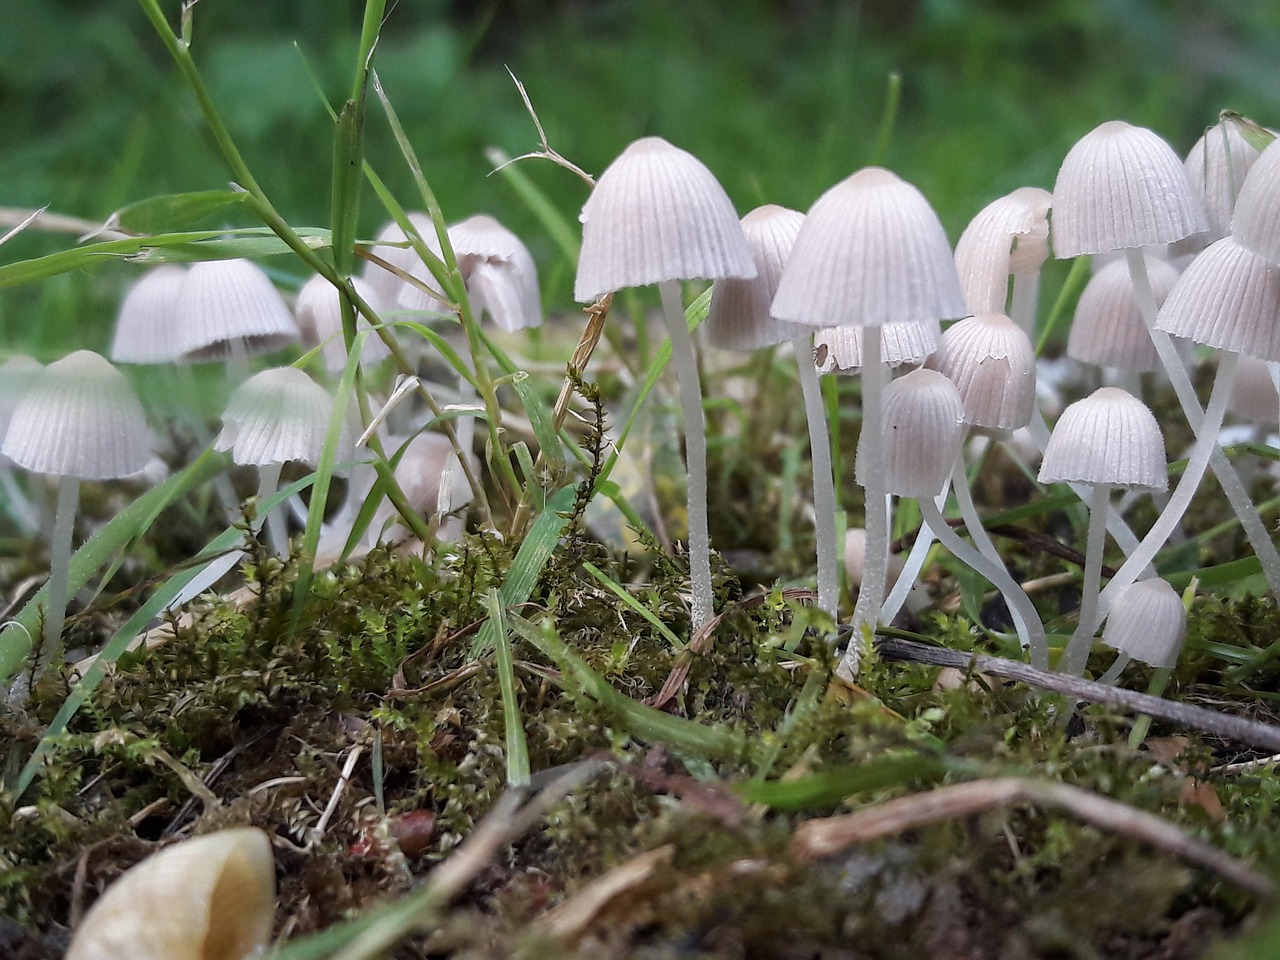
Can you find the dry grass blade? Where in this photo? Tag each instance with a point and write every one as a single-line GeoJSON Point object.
{"type": "Point", "coordinates": [571, 919]}
{"type": "Point", "coordinates": [816, 839]}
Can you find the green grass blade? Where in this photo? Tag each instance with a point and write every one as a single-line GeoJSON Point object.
{"type": "Point", "coordinates": [632, 603]}
{"type": "Point", "coordinates": [832, 786]}
{"type": "Point", "coordinates": [562, 232]}
{"type": "Point", "coordinates": [1077, 277]}
{"type": "Point", "coordinates": [175, 211]}
{"type": "Point", "coordinates": [541, 420]}
{"type": "Point", "coordinates": [518, 774]}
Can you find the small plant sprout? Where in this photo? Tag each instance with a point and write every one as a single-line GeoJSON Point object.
{"type": "Point", "coordinates": [1147, 623]}
{"type": "Point", "coordinates": [871, 254]}
{"type": "Point", "coordinates": [211, 897]}
{"type": "Point", "coordinates": [1109, 439]}
{"type": "Point", "coordinates": [1122, 188]}
{"type": "Point", "coordinates": [318, 313]}
{"type": "Point", "coordinates": [657, 215]}
{"type": "Point", "coordinates": [274, 417]}
{"type": "Point", "coordinates": [229, 310]}
{"type": "Point", "coordinates": [739, 319]}
{"type": "Point", "coordinates": [1008, 238]}
{"type": "Point", "coordinates": [924, 431]}
{"type": "Point", "coordinates": [79, 419]}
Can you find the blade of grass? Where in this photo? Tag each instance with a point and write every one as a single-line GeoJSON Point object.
{"type": "Point", "coordinates": [553, 221]}
{"type": "Point", "coordinates": [165, 214]}
{"type": "Point", "coordinates": [1071, 287]}
{"type": "Point", "coordinates": [620, 592]}
{"type": "Point", "coordinates": [518, 774]}
{"type": "Point", "coordinates": [832, 786]}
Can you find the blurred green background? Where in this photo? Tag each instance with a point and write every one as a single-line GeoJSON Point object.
{"type": "Point", "coordinates": [780, 99]}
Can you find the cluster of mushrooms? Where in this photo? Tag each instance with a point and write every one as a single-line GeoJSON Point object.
{"type": "Point", "coordinates": [858, 285]}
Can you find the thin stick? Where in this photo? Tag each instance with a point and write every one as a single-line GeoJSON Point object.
{"type": "Point", "coordinates": [1262, 735]}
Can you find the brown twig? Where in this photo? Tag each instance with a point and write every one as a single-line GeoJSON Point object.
{"type": "Point", "coordinates": [1239, 729]}
{"type": "Point", "coordinates": [825, 837]}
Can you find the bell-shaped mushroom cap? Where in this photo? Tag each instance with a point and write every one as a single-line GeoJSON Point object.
{"type": "Point", "coordinates": [923, 432]}
{"type": "Point", "coordinates": [1009, 235]}
{"type": "Point", "coordinates": [79, 417]}
{"type": "Point", "coordinates": [432, 481]}
{"type": "Point", "coordinates": [1108, 437]}
{"type": "Point", "coordinates": [386, 285]}
{"type": "Point", "coordinates": [839, 349]}
{"type": "Point", "coordinates": [229, 305]}
{"type": "Point", "coordinates": [1256, 221]}
{"type": "Point", "coordinates": [16, 374]}
{"type": "Point", "coordinates": [499, 272]}
{"type": "Point", "coordinates": [1122, 186]}
{"type": "Point", "coordinates": [1216, 168]}
{"type": "Point", "coordinates": [855, 559]}
{"type": "Point", "coordinates": [147, 324]}
{"type": "Point", "coordinates": [991, 361]}
{"type": "Point", "coordinates": [276, 416]}
{"type": "Point", "coordinates": [1108, 330]}
{"type": "Point", "coordinates": [1228, 298]}
{"type": "Point", "coordinates": [1148, 621]}
{"type": "Point", "coordinates": [319, 317]}
{"type": "Point", "coordinates": [657, 214]}
{"type": "Point", "coordinates": [871, 252]}
{"type": "Point", "coordinates": [738, 318]}
{"type": "Point", "coordinates": [212, 896]}
{"type": "Point", "coordinates": [1253, 393]}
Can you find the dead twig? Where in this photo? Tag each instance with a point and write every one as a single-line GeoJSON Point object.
{"type": "Point", "coordinates": [568, 921]}
{"type": "Point", "coordinates": [1225, 725]}
{"type": "Point", "coordinates": [816, 839]}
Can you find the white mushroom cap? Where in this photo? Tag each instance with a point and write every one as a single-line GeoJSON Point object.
{"type": "Point", "coordinates": [1108, 330]}
{"type": "Point", "coordinates": [991, 361]}
{"type": "Point", "coordinates": [225, 302]}
{"type": "Point", "coordinates": [79, 417]}
{"type": "Point", "coordinates": [205, 897]}
{"type": "Point", "coordinates": [839, 349]}
{"type": "Point", "coordinates": [386, 285]}
{"type": "Point", "coordinates": [657, 214]}
{"type": "Point", "coordinates": [276, 416]}
{"type": "Point", "coordinates": [739, 318]}
{"type": "Point", "coordinates": [1256, 221]}
{"type": "Point", "coordinates": [871, 252]}
{"type": "Point", "coordinates": [1253, 393]}
{"type": "Point", "coordinates": [1108, 437]}
{"type": "Point", "coordinates": [428, 467]}
{"type": "Point", "coordinates": [1122, 186]}
{"type": "Point", "coordinates": [319, 317]}
{"type": "Point", "coordinates": [1148, 621]}
{"type": "Point", "coordinates": [1009, 235]}
{"type": "Point", "coordinates": [147, 324]}
{"type": "Point", "coordinates": [1228, 298]}
{"type": "Point", "coordinates": [1216, 167]}
{"type": "Point", "coordinates": [16, 374]}
{"type": "Point", "coordinates": [923, 432]}
{"type": "Point", "coordinates": [499, 272]}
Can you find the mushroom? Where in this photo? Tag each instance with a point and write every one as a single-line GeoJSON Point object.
{"type": "Point", "coordinates": [1008, 237]}
{"type": "Point", "coordinates": [1148, 623]}
{"type": "Point", "coordinates": [658, 215]}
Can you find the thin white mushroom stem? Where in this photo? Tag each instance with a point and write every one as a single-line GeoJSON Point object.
{"type": "Point", "coordinates": [1228, 479]}
{"type": "Point", "coordinates": [1206, 443]}
{"type": "Point", "coordinates": [1077, 652]}
{"type": "Point", "coordinates": [1117, 668]}
{"type": "Point", "coordinates": [874, 484]}
{"type": "Point", "coordinates": [277, 531]}
{"type": "Point", "coordinates": [966, 553]}
{"type": "Point", "coordinates": [695, 439]}
{"type": "Point", "coordinates": [910, 571]}
{"type": "Point", "coordinates": [824, 485]}
{"type": "Point", "coordinates": [1026, 621]}
{"type": "Point", "coordinates": [1026, 293]}
{"type": "Point", "coordinates": [55, 608]}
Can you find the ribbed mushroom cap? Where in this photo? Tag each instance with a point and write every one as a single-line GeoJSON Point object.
{"type": "Point", "coordinates": [1009, 235]}
{"type": "Point", "coordinates": [871, 252]}
{"type": "Point", "coordinates": [499, 271]}
{"type": "Point", "coordinates": [855, 559]}
{"type": "Point", "coordinates": [1108, 330]}
{"type": "Point", "coordinates": [276, 416]}
{"type": "Point", "coordinates": [1228, 298]}
{"type": "Point", "coordinates": [386, 285]}
{"type": "Point", "coordinates": [991, 361]}
{"type": "Point", "coordinates": [1216, 168]}
{"type": "Point", "coordinates": [211, 897]}
{"type": "Point", "coordinates": [318, 313]}
{"type": "Point", "coordinates": [147, 324]}
{"type": "Point", "coordinates": [1148, 621]}
{"type": "Point", "coordinates": [1108, 437]}
{"type": "Point", "coordinates": [1256, 221]}
{"type": "Point", "coordinates": [923, 431]}
{"type": "Point", "coordinates": [657, 214]}
{"type": "Point", "coordinates": [224, 302]}
{"type": "Point", "coordinates": [739, 318]}
{"type": "Point", "coordinates": [79, 417]}
{"type": "Point", "coordinates": [1253, 393]}
{"type": "Point", "coordinates": [1122, 186]}
{"type": "Point", "coordinates": [16, 374]}
{"type": "Point", "coordinates": [839, 349]}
